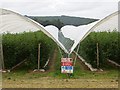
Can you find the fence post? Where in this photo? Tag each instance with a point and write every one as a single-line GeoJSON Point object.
{"type": "Point", "coordinates": [38, 56]}
{"type": "Point", "coordinates": [2, 66]}
{"type": "Point", "coordinates": [97, 56]}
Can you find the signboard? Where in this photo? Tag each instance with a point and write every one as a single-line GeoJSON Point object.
{"type": "Point", "coordinates": [66, 65]}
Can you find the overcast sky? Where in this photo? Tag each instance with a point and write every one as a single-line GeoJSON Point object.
{"type": "Point", "coordinates": [81, 8]}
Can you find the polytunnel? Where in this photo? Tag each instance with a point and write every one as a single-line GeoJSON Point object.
{"type": "Point", "coordinates": [78, 34]}
{"type": "Point", "coordinates": [108, 24]}
{"type": "Point", "coordinates": [15, 23]}
{"type": "Point", "coordinates": [68, 37]}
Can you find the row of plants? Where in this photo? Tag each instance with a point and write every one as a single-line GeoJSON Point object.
{"type": "Point", "coordinates": [108, 47]}
{"type": "Point", "coordinates": [17, 47]}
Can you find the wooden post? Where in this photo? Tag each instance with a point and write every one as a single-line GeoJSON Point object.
{"type": "Point", "coordinates": [1, 53]}
{"type": "Point", "coordinates": [18, 64]}
{"type": "Point", "coordinates": [97, 56]}
{"type": "Point", "coordinates": [38, 56]}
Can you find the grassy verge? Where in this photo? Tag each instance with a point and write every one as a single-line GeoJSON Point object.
{"type": "Point", "coordinates": [78, 72]}
{"type": "Point", "coordinates": [81, 79]}
{"type": "Point", "coordinates": [55, 79]}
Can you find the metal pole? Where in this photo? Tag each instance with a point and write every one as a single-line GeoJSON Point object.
{"type": "Point", "coordinates": [68, 55]}
{"type": "Point", "coordinates": [76, 54]}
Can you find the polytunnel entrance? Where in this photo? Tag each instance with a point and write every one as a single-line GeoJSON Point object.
{"type": "Point", "coordinates": [72, 38]}
{"type": "Point", "coordinates": [77, 52]}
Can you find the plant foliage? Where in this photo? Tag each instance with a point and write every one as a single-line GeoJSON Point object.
{"type": "Point", "coordinates": [17, 47]}
{"type": "Point", "coordinates": [108, 45]}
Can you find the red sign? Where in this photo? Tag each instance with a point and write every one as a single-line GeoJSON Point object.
{"type": "Point", "coordinates": [66, 65]}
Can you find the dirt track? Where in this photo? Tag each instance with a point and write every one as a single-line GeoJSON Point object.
{"type": "Point", "coordinates": [48, 82]}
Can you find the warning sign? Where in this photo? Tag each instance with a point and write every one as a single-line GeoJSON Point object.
{"type": "Point", "coordinates": [66, 65]}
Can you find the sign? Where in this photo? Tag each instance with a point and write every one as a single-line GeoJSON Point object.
{"type": "Point", "coordinates": [66, 65]}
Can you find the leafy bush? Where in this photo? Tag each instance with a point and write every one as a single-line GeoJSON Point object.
{"type": "Point", "coordinates": [108, 47]}
{"type": "Point", "coordinates": [17, 47]}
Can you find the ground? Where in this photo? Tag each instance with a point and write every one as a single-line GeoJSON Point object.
{"type": "Point", "coordinates": [81, 78]}
{"type": "Point", "coordinates": [22, 79]}
{"type": "Point", "coordinates": [48, 82]}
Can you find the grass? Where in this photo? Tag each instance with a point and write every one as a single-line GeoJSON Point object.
{"type": "Point", "coordinates": [23, 78]}
{"type": "Point", "coordinates": [81, 79]}
{"type": "Point", "coordinates": [111, 72]}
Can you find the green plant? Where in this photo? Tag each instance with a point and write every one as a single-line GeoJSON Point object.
{"type": "Point", "coordinates": [107, 44]}
{"type": "Point", "coordinates": [17, 47]}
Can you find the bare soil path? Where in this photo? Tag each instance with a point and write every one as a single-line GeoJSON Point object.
{"type": "Point", "coordinates": [49, 82]}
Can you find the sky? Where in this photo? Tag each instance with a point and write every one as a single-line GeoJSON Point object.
{"type": "Point", "coordinates": [81, 8]}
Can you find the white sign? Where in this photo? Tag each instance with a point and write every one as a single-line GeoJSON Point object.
{"type": "Point", "coordinates": [66, 65]}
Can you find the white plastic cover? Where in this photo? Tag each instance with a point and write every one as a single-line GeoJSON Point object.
{"type": "Point", "coordinates": [15, 23]}
{"type": "Point", "coordinates": [109, 23]}
{"type": "Point", "coordinates": [77, 33]}
{"type": "Point", "coordinates": [54, 32]}
{"type": "Point", "coordinates": [67, 38]}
